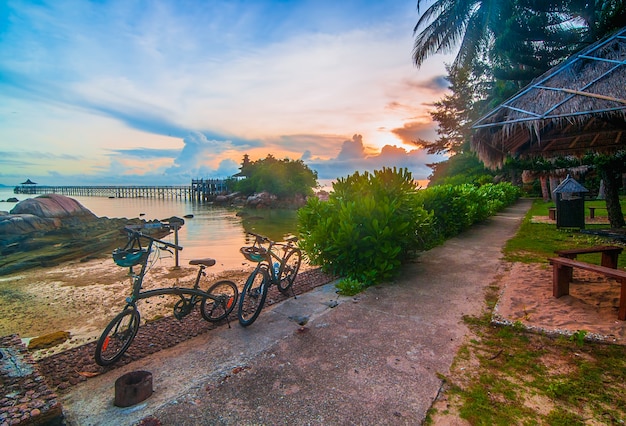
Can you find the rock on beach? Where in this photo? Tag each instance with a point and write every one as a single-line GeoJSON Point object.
{"type": "Point", "coordinates": [52, 228]}
{"type": "Point", "coordinates": [54, 206]}
{"type": "Point", "coordinates": [44, 213]}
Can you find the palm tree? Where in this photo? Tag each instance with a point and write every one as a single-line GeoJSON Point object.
{"type": "Point", "coordinates": [473, 26]}
{"type": "Point", "coordinates": [599, 17]}
{"type": "Point", "coordinates": [448, 24]}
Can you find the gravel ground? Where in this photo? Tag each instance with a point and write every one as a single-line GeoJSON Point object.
{"type": "Point", "coordinates": [73, 366]}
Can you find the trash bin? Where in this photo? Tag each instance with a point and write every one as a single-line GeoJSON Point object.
{"type": "Point", "coordinates": [570, 204]}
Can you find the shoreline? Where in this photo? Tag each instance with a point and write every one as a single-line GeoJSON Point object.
{"type": "Point", "coordinates": [82, 297]}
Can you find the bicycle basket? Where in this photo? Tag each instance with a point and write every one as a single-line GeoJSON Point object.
{"type": "Point", "coordinates": [254, 254]}
{"type": "Point", "coordinates": [128, 258]}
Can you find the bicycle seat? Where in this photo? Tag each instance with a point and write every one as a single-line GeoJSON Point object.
{"type": "Point", "coordinates": [206, 262]}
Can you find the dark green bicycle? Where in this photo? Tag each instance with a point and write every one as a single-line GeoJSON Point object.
{"type": "Point", "coordinates": [216, 303]}
{"type": "Point", "coordinates": [277, 263]}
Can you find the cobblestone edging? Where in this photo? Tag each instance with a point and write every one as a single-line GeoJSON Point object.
{"type": "Point", "coordinates": [26, 398]}
{"type": "Point", "coordinates": [76, 365]}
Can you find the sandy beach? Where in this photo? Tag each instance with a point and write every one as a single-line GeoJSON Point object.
{"type": "Point", "coordinates": [81, 298]}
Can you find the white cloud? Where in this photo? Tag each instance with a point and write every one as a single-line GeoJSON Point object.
{"type": "Point", "coordinates": [211, 81]}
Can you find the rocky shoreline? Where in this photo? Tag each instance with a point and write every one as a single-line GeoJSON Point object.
{"type": "Point", "coordinates": [51, 229]}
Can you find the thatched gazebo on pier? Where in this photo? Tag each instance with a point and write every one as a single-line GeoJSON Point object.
{"type": "Point", "coordinates": [27, 187]}
{"type": "Point", "coordinates": [575, 108]}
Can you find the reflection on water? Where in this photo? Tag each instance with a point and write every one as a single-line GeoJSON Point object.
{"type": "Point", "coordinates": [216, 232]}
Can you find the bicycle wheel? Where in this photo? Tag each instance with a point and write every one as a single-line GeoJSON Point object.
{"type": "Point", "coordinates": [289, 269]}
{"type": "Point", "coordinates": [225, 294]}
{"type": "Point", "coordinates": [253, 296]}
{"type": "Point", "coordinates": [117, 337]}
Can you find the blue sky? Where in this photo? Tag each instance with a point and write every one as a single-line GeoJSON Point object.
{"type": "Point", "coordinates": [160, 92]}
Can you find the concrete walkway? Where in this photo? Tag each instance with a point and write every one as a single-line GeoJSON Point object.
{"type": "Point", "coordinates": [373, 359]}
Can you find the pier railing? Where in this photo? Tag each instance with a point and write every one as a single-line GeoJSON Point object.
{"type": "Point", "coordinates": [201, 189]}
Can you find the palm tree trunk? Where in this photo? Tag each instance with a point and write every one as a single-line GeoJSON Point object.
{"type": "Point", "coordinates": [544, 188]}
{"type": "Point", "coordinates": [612, 181]}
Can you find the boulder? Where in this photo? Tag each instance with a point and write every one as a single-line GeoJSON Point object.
{"type": "Point", "coordinates": [55, 206]}
{"type": "Point", "coordinates": [19, 224]}
{"type": "Point", "coordinates": [262, 200]}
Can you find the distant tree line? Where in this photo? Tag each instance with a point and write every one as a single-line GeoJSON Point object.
{"type": "Point", "coordinates": [284, 178]}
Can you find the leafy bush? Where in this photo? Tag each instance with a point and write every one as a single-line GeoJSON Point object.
{"type": "Point", "coordinates": [370, 223]}
{"type": "Point", "coordinates": [456, 208]}
{"type": "Point", "coordinates": [373, 222]}
{"type": "Point", "coordinates": [349, 287]}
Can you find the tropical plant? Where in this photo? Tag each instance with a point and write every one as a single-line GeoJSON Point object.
{"type": "Point", "coordinates": [373, 222]}
{"type": "Point", "coordinates": [369, 225]}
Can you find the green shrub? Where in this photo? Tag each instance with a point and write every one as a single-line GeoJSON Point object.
{"type": "Point", "coordinates": [449, 207]}
{"type": "Point", "coordinates": [456, 208]}
{"type": "Point", "coordinates": [349, 287]}
{"type": "Point", "coordinates": [373, 222]}
{"type": "Point", "coordinates": [370, 223]}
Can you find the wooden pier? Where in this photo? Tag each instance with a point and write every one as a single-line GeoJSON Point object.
{"type": "Point", "coordinates": [200, 190]}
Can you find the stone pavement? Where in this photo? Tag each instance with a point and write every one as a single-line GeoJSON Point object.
{"type": "Point", "coordinates": [372, 359]}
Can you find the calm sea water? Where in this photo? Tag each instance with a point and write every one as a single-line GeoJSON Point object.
{"type": "Point", "coordinates": [215, 232]}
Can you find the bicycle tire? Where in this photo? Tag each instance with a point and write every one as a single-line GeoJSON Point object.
{"type": "Point", "coordinates": [253, 296]}
{"type": "Point", "coordinates": [289, 269]}
{"type": "Point", "coordinates": [117, 337]}
{"type": "Point", "coordinates": [226, 293]}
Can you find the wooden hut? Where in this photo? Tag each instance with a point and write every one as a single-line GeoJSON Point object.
{"type": "Point", "coordinates": [576, 107]}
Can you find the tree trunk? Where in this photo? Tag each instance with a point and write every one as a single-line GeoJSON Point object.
{"type": "Point", "coordinates": [544, 188]}
{"type": "Point", "coordinates": [612, 181]}
{"type": "Point", "coordinates": [601, 191]}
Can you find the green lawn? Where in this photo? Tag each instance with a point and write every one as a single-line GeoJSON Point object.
{"type": "Point", "coordinates": [536, 242]}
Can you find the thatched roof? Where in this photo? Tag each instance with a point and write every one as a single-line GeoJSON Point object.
{"type": "Point", "coordinates": [576, 107]}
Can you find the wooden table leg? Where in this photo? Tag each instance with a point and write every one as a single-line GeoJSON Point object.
{"type": "Point", "coordinates": [561, 276]}
{"type": "Point", "coordinates": [621, 314]}
{"type": "Point", "coordinates": [610, 260]}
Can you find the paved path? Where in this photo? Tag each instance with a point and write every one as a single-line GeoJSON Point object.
{"type": "Point", "coordinates": [373, 359]}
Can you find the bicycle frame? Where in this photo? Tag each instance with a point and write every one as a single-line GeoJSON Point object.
{"type": "Point", "coordinates": [271, 255]}
{"type": "Point", "coordinates": [194, 293]}
{"type": "Point", "coordinates": [119, 334]}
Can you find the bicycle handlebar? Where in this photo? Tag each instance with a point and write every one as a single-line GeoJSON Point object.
{"type": "Point", "coordinates": [260, 237]}
{"type": "Point", "coordinates": [141, 234]}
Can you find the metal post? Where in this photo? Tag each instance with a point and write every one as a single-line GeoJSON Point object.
{"type": "Point", "coordinates": [176, 250]}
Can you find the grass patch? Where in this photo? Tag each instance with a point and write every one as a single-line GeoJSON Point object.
{"type": "Point", "coordinates": [521, 378]}
{"type": "Point", "coordinates": [536, 242]}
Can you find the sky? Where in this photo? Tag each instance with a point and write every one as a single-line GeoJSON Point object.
{"type": "Point", "coordinates": [159, 92]}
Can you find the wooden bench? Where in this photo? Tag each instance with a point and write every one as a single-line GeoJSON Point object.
{"type": "Point", "coordinates": [610, 254]}
{"type": "Point", "coordinates": [562, 268]}
{"type": "Point", "coordinates": [592, 211]}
